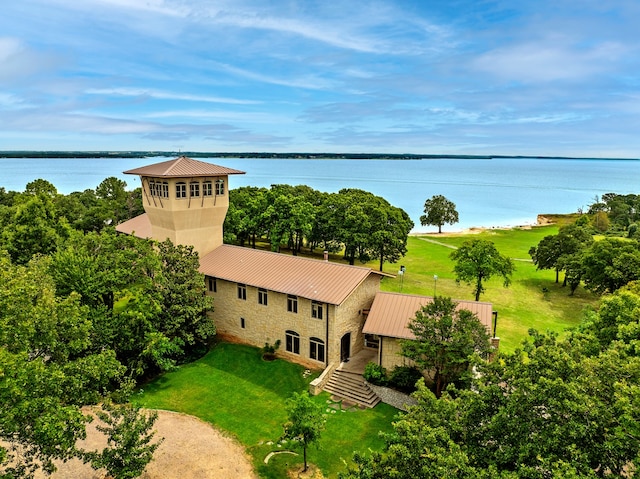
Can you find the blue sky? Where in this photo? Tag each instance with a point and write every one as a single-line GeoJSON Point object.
{"type": "Point", "coordinates": [526, 77]}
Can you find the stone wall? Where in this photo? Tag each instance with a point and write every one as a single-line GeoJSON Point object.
{"type": "Point", "coordinates": [266, 324]}
{"type": "Point", "coordinates": [390, 351]}
{"type": "Point", "coordinates": [349, 317]}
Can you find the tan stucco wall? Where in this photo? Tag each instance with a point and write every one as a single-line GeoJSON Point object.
{"type": "Point", "coordinates": [269, 323]}
{"type": "Point", "coordinates": [193, 221]}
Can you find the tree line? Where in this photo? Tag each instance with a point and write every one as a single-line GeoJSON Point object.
{"type": "Point", "coordinates": [603, 266]}
{"type": "Point", "coordinates": [362, 225]}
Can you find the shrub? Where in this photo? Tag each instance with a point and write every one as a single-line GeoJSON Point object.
{"type": "Point", "coordinates": [375, 374]}
{"type": "Point", "coordinates": [404, 378]}
{"type": "Point", "coordinates": [269, 350]}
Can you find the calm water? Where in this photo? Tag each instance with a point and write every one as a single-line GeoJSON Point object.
{"type": "Point", "coordinates": [498, 192]}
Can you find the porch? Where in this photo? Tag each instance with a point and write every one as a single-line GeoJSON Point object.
{"type": "Point", "coordinates": [356, 363]}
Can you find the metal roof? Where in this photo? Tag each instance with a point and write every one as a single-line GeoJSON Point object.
{"type": "Point", "coordinates": [139, 226]}
{"type": "Point", "coordinates": [391, 313]}
{"type": "Point", "coordinates": [308, 278]}
{"type": "Point", "coordinates": [183, 167]}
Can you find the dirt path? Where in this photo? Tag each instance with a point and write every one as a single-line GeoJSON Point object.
{"type": "Point", "coordinates": [192, 449]}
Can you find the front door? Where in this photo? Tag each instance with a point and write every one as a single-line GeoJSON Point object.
{"type": "Point", "coordinates": [345, 348]}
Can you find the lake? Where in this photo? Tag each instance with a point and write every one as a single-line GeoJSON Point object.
{"type": "Point", "coordinates": [498, 192]}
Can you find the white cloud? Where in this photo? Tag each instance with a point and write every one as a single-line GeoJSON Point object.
{"type": "Point", "coordinates": [555, 57]}
{"type": "Point", "coordinates": [165, 95]}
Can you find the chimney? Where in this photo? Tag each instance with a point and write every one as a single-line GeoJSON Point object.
{"type": "Point", "coordinates": [326, 255]}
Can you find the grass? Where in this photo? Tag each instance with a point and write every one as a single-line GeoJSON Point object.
{"type": "Point", "coordinates": [236, 391]}
{"type": "Point", "coordinates": [533, 300]}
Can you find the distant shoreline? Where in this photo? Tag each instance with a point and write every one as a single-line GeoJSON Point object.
{"type": "Point", "coordinates": [269, 155]}
{"type": "Point", "coordinates": [545, 219]}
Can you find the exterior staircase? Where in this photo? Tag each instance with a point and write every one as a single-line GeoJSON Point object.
{"type": "Point", "coordinates": [352, 388]}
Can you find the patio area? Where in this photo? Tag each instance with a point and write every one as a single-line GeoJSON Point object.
{"type": "Point", "coordinates": [356, 363]}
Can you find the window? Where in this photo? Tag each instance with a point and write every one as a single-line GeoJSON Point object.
{"type": "Point", "coordinates": [242, 323]}
{"type": "Point", "coordinates": [219, 187]}
{"type": "Point", "coordinates": [207, 188]}
{"type": "Point", "coordinates": [292, 342]}
{"type": "Point", "coordinates": [194, 188]}
{"type": "Point", "coordinates": [371, 341]}
{"type": "Point", "coordinates": [242, 291]}
{"type": "Point", "coordinates": [165, 189]}
{"type": "Point", "coordinates": [316, 310]}
{"type": "Point", "coordinates": [292, 304]}
{"type": "Point", "coordinates": [213, 286]}
{"type": "Point", "coordinates": [316, 349]}
{"type": "Point", "coordinates": [262, 296]}
{"type": "Point", "coordinates": [181, 190]}
{"type": "Point", "coordinates": [152, 188]}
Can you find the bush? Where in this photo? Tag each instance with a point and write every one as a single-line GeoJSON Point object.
{"type": "Point", "coordinates": [404, 378]}
{"type": "Point", "coordinates": [375, 374]}
{"type": "Point", "coordinates": [269, 350]}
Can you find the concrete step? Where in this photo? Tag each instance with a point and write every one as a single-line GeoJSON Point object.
{"type": "Point", "coordinates": [352, 388]}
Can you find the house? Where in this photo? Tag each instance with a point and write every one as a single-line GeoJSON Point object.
{"type": "Point", "coordinates": [315, 308]}
{"type": "Point", "coordinates": [387, 323]}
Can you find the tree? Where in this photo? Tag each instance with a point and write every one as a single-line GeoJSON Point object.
{"type": "Point", "coordinates": [438, 211]}
{"type": "Point", "coordinates": [305, 421]}
{"type": "Point", "coordinates": [33, 229]}
{"type": "Point", "coordinates": [289, 218]}
{"type": "Point", "coordinates": [610, 264]}
{"type": "Point", "coordinates": [478, 260]}
{"type": "Point", "coordinates": [446, 338]}
{"type": "Point", "coordinates": [184, 306]}
{"type": "Point", "coordinates": [390, 240]}
{"type": "Point", "coordinates": [129, 435]}
{"type": "Point", "coordinates": [245, 220]}
{"type": "Point", "coordinates": [48, 369]}
{"type": "Point", "coordinates": [369, 226]}
{"type": "Point", "coordinates": [557, 251]}
{"type": "Point", "coordinates": [162, 315]}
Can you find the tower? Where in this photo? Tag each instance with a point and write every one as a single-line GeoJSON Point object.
{"type": "Point", "coordinates": [185, 200]}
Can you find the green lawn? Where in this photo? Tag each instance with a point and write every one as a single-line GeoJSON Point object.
{"type": "Point", "coordinates": [235, 390]}
{"type": "Point", "coordinates": [533, 300]}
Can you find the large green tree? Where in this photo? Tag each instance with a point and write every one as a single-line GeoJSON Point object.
{"type": "Point", "coordinates": [560, 250]}
{"type": "Point", "coordinates": [389, 240]}
{"type": "Point", "coordinates": [161, 314]}
{"type": "Point", "coordinates": [245, 220]}
{"type": "Point", "coordinates": [48, 369]}
{"type": "Point", "coordinates": [609, 264]}
{"type": "Point", "coordinates": [184, 304]}
{"type": "Point", "coordinates": [438, 210]}
{"type": "Point", "coordinates": [446, 339]}
{"type": "Point", "coordinates": [478, 260]}
{"type": "Point", "coordinates": [33, 227]}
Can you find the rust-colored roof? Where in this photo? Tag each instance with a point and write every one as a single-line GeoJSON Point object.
{"type": "Point", "coordinates": [183, 167]}
{"type": "Point", "coordinates": [391, 313]}
{"type": "Point", "coordinates": [308, 278]}
{"type": "Point", "coordinates": [139, 226]}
